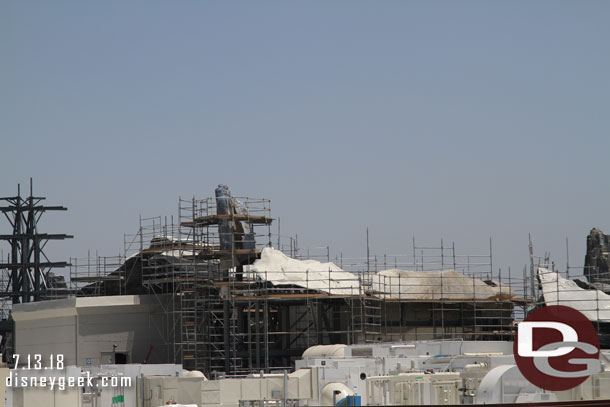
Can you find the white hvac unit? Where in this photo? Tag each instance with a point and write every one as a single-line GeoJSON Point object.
{"type": "Point", "coordinates": [301, 385]}
{"type": "Point", "coordinates": [414, 389]}
{"type": "Point", "coordinates": [161, 390]}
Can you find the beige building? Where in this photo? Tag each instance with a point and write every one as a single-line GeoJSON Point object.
{"type": "Point", "coordinates": [92, 330]}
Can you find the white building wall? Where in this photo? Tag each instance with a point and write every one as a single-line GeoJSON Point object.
{"type": "Point", "coordinates": [48, 336]}
{"type": "Point", "coordinates": [84, 330]}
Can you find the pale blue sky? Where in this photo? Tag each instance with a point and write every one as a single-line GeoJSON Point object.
{"type": "Point", "coordinates": [461, 120]}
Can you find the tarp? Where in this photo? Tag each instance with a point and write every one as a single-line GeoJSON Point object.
{"type": "Point", "coordinates": [281, 270]}
{"type": "Point", "coordinates": [594, 304]}
{"type": "Point", "coordinates": [435, 285]}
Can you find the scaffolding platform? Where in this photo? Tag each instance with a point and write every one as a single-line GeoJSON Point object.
{"type": "Point", "coordinates": [210, 220]}
{"type": "Point", "coordinates": [219, 254]}
{"type": "Point", "coordinates": [92, 279]}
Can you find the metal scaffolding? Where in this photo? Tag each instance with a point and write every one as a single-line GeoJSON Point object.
{"type": "Point", "coordinates": [224, 318]}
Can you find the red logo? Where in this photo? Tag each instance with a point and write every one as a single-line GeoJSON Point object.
{"type": "Point", "coordinates": [557, 348]}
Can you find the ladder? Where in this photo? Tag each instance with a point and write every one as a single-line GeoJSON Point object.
{"type": "Point", "coordinates": [371, 318]}
{"type": "Point", "coordinates": [189, 337]}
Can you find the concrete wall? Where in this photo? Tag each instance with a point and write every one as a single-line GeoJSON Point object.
{"type": "Point", "coordinates": [47, 336]}
{"type": "Point", "coordinates": [84, 330]}
{"type": "Point", "coordinates": [132, 332]}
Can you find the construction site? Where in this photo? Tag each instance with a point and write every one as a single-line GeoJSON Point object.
{"type": "Point", "coordinates": [215, 307]}
{"type": "Point", "coordinates": [233, 296]}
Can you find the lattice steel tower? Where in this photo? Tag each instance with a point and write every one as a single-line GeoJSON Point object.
{"type": "Point", "coordinates": [26, 271]}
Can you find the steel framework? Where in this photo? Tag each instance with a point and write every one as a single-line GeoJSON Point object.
{"type": "Point", "coordinates": [26, 276]}
{"type": "Point", "coordinates": [28, 265]}
{"type": "Point", "coordinates": [225, 319]}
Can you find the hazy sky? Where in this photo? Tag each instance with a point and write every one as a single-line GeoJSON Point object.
{"type": "Point", "coordinates": [435, 119]}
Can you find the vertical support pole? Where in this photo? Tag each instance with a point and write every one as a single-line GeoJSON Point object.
{"type": "Point", "coordinates": [531, 250]}
{"type": "Point", "coordinates": [474, 309]}
{"type": "Point", "coordinates": [441, 296]}
{"type": "Point", "coordinates": [368, 268]}
{"type": "Point", "coordinates": [266, 332]}
{"type": "Point", "coordinates": [567, 259]}
{"type": "Point", "coordinates": [414, 258]}
{"type": "Point", "coordinates": [35, 244]}
{"type": "Point", "coordinates": [37, 271]}
{"type": "Point", "coordinates": [257, 331]}
{"type": "Point", "coordinates": [284, 317]}
{"type": "Point", "coordinates": [279, 247]}
{"type": "Point", "coordinates": [16, 287]}
{"type": "Point", "coordinates": [284, 393]}
{"type": "Point", "coordinates": [227, 348]}
{"type": "Point", "coordinates": [249, 337]}
{"type": "Point", "coordinates": [453, 251]}
{"type": "Point", "coordinates": [491, 264]}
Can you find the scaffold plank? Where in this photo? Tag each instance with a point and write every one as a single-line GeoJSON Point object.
{"type": "Point", "coordinates": [216, 219]}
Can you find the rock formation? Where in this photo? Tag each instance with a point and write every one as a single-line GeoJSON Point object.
{"type": "Point", "coordinates": [597, 259]}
